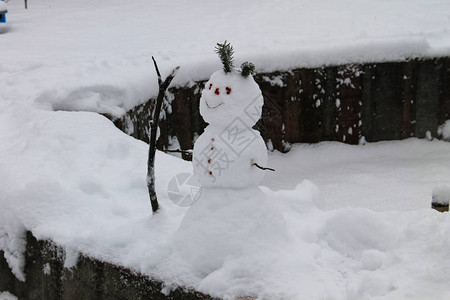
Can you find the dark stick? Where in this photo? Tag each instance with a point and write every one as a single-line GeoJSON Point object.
{"type": "Point", "coordinates": [262, 168]}
{"type": "Point", "coordinates": [179, 151]}
{"type": "Point", "coordinates": [153, 131]}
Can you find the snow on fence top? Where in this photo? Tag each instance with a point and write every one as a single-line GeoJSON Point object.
{"type": "Point", "coordinates": [84, 55]}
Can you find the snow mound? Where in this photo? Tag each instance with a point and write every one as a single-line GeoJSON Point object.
{"type": "Point", "coordinates": [74, 178]}
{"type": "Point", "coordinates": [228, 224]}
{"type": "Point", "coordinates": [444, 131]}
{"type": "Point", "coordinates": [279, 245]}
{"type": "Point", "coordinates": [7, 296]}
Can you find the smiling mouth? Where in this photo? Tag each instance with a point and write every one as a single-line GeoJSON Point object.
{"type": "Point", "coordinates": [212, 107]}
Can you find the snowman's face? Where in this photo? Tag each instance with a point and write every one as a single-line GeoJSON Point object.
{"type": "Point", "coordinates": [228, 96]}
{"type": "Point", "coordinates": [218, 96]}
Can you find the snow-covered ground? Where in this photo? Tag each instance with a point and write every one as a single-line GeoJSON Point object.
{"type": "Point", "coordinates": [333, 222]}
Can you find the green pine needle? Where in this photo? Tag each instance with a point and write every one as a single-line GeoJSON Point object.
{"type": "Point", "coordinates": [247, 69]}
{"type": "Point", "coordinates": [225, 52]}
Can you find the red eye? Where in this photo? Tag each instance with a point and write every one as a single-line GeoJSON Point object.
{"type": "Point", "coordinates": [217, 92]}
{"type": "Point", "coordinates": [228, 90]}
{"type": "Point", "coordinates": [210, 85]}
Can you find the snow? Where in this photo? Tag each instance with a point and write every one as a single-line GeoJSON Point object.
{"type": "Point", "coordinates": [378, 176]}
{"type": "Point", "coordinates": [275, 81]}
{"type": "Point", "coordinates": [96, 55]}
{"type": "Point", "coordinates": [12, 240]}
{"type": "Point", "coordinates": [444, 130]}
{"type": "Point", "coordinates": [3, 8]}
{"type": "Point", "coordinates": [333, 222]}
{"type": "Point", "coordinates": [47, 270]}
{"type": "Point", "coordinates": [441, 195]}
{"type": "Point", "coordinates": [7, 296]}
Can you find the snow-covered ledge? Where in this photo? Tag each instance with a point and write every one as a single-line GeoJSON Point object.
{"type": "Point", "coordinates": [53, 273]}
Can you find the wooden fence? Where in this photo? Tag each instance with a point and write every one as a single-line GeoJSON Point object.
{"type": "Point", "coordinates": [349, 103]}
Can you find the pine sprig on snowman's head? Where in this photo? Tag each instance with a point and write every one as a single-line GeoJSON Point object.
{"type": "Point", "coordinates": [225, 52]}
{"type": "Point", "coordinates": [247, 69]}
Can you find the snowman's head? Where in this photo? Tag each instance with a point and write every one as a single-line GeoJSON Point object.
{"type": "Point", "coordinates": [228, 96]}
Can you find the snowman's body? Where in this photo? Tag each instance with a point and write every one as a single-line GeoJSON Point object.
{"type": "Point", "coordinates": [225, 154]}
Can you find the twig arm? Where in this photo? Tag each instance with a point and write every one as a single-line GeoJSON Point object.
{"type": "Point", "coordinates": [178, 151]}
{"type": "Point", "coordinates": [262, 168]}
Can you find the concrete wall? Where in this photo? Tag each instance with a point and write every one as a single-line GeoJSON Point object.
{"type": "Point", "coordinates": [90, 279]}
{"type": "Point", "coordinates": [382, 101]}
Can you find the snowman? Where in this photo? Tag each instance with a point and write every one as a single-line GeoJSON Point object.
{"type": "Point", "coordinates": [237, 216]}
{"type": "Point", "coordinates": [230, 153]}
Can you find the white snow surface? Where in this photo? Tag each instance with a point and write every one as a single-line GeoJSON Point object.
{"type": "Point", "coordinates": [444, 130]}
{"type": "Point", "coordinates": [3, 8]}
{"type": "Point", "coordinates": [333, 222]}
{"type": "Point", "coordinates": [96, 55]}
{"type": "Point", "coordinates": [441, 195]}
{"type": "Point", "coordinates": [7, 296]}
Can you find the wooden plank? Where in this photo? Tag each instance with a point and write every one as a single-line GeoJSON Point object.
{"type": "Point", "coordinates": [387, 101]}
{"type": "Point", "coordinates": [428, 97]}
{"type": "Point", "coordinates": [444, 111]}
{"type": "Point", "coordinates": [272, 116]}
{"type": "Point", "coordinates": [182, 121]}
{"type": "Point", "coordinates": [348, 104]}
{"type": "Point", "coordinates": [291, 107]}
{"type": "Point", "coordinates": [408, 127]}
{"type": "Point", "coordinates": [367, 105]}
{"type": "Point", "coordinates": [311, 99]}
{"type": "Point", "coordinates": [329, 112]}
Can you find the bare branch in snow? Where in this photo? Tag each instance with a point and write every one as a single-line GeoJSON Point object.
{"type": "Point", "coordinates": [163, 85]}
